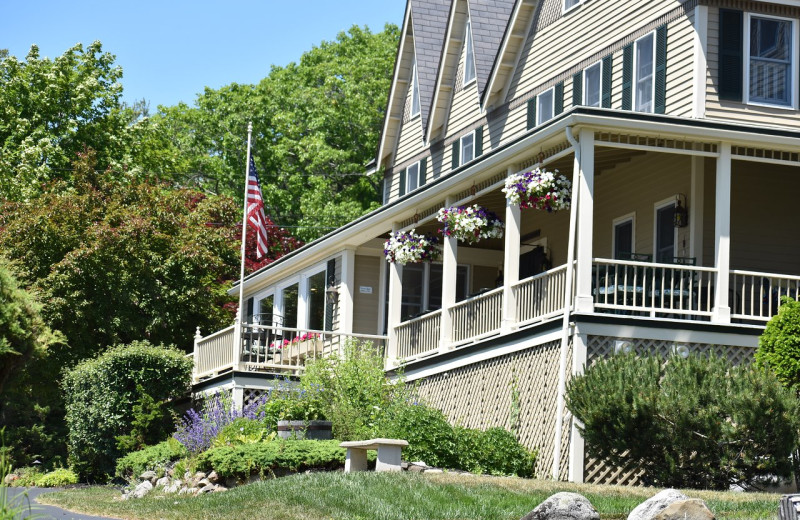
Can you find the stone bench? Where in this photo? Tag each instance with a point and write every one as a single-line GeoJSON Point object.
{"type": "Point", "coordinates": [389, 451]}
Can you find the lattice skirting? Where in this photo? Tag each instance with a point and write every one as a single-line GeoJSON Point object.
{"type": "Point", "coordinates": [598, 347]}
{"type": "Point", "coordinates": [480, 396]}
{"type": "Point", "coordinates": [252, 395]}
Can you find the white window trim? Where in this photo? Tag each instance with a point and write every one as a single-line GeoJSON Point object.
{"type": "Point", "coordinates": [469, 43]}
{"type": "Point", "coordinates": [565, 9]}
{"type": "Point", "coordinates": [586, 91]}
{"type": "Point", "coordinates": [257, 297]}
{"type": "Point", "coordinates": [635, 81]}
{"type": "Point", "coordinates": [621, 220]}
{"type": "Point", "coordinates": [415, 91]}
{"type": "Point", "coordinates": [671, 201]}
{"type": "Point", "coordinates": [539, 120]}
{"type": "Point", "coordinates": [746, 65]}
{"type": "Point", "coordinates": [461, 139]}
{"type": "Point", "coordinates": [301, 280]}
{"type": "Point", "coordinates": [407, 174]}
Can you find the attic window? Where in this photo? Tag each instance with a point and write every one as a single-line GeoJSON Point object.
{"type": "Point", "coordinates": [569, 4]}
{"type": "Point", "coordinates": [469, 61]}
{"type": "Point", "coordinates": [414, 91]}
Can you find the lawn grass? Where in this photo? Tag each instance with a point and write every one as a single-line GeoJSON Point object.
{"type": "Point", "coordinates": [385, 496]}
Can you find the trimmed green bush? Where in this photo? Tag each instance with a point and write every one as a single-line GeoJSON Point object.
{"type": "Point", "coordinates": [694, 423]}
{"type": "Point", "coordinates": [779, 345]}
{"type": "Point", "coordinates": [57, 478]}
{"type": "Point", "coordinates": [263, 458]}
{"type": "Point", "coordinates": [100, 396]}
{"type": "Point", "coordinates": [494, 451]}
{"type": "Point", "coordinates": [136, 463]}
{"type": "Point", "coordinates": [243, 431]}
{"type": "Point", "coordinates": [430, 437]}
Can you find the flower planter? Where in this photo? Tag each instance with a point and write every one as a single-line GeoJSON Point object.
{"type": "Point", "coordinates": [311, 430]}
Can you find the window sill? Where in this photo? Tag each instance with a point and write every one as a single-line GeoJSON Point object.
{"type": "Point", "coordinates": [788, 108]}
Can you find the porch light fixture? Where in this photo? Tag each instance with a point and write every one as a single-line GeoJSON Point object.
{"type": "Point", "coordinates": [332, 293]}
{"type": "Point", "coordinates": [681, 216]}
{"type": "Point", "coordinates": [623, 347]}
{"type": "Point", "coordinates": [681, 349]}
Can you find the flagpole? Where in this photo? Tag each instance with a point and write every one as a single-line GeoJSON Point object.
{"type": "Point", "coordinates": [240, 312]}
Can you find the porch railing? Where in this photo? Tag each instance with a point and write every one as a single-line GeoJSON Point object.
{"type": "Point", "coordinates": [419, 335]}
{"type": "Point", "coordinates": [653, 289]}
{"type": "Point", "coordinates": [477, 317]}
{"type": "Point", "coordinates": [214, 353]}
{"type": "Point", "coordinates": [270, 347]}
{"type": "Point", "coordinates": [540, 297]}
{"type": "Point", "coordinates": [757, 296]}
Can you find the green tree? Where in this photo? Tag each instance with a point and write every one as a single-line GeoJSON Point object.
{"type": "Point", "coordinates": [316, 125]}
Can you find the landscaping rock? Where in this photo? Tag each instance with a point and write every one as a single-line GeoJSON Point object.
{"type": "Point", "coordinates": [187, 476]}
{"type": "Point", "coordinates": [148, 475]}
{"type": "Point", "coordinates": [11, 477]}
{"type": "Point", "coordinates": [184, 491]}
{"type": "Point", "coordinates": [416, 468]}
{"type": "Point", "coordinates": [220, 488]}
{"type": "Point", "coordinates": [213, 477]}
{"type": "Point", "coordinates": [434, 470]}
{"type": "Point", "coordinates": [173, 488]}
{"type": "Point", "coordinates": [142, 489]}
{"type": "Point", "coordinates": [691, 509]}
{"type": "Point", "coordinates": [203, 483]}
{"type": "Point", "coordinates": [199, 476]}
{"type": "Point", "coordinates": [162, 482]}
{"type": "Point", "coordinates": [651, 507]}
{"type": "Point", "coordinates": [564, 506]}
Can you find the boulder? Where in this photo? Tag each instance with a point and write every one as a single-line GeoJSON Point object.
{"type": "Point", "coordinates": [149, 475]}
{"type": "Point", "coordinates": [142, 489]}
{"type": "Point", "coordinates": [213, 477]}
{"type": "Point", "coordinates": [11, 477]}
{"type": "Point", "coordinates": [648, 509]}
{"type": "Point", "coordinates": [162, 482]}
{"type": "Point", "coordinates": [564, 506]}
{"type": "Point", "coordinates": [691, 509]}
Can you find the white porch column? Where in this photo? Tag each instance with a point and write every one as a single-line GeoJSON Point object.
{"type": "Point", "coordinates": [696, 209]}
{"type": "Point", "coordinates": [302, 305]}
{"type": "Point", "coordinates": [237, 397]}
{"type": "Point", "coordinates": [449, 281]}
{"type": "Point", "coordinates": [395, 307]}
{"type": "Point", "coordinates": [584, 301]}
{"type": "Point", "coordinates": [236, 355]}
{"type": "Point", "coordinates": [576, 443]}
{"type": "Point", "coordinates": [347, 290]}
{"type": "Point", "coordinates": [513, 232]}
{"type": "Point", "coordinates": [722, 230]}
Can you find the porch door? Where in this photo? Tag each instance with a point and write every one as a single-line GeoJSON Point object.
{"type": "Point", "coordinates": [665, 234]}
{"type": "Point", "coordinates": [623, 239]}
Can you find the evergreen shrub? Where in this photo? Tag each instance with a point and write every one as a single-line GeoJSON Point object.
{"type": "Point", "coordinates": [57, 478]}
{"type": "Point", "coordinates": [779, 345]}
{"type": "Point", "coordinates": [695, 422]}
{"type": "Point", "coordinates": [150, 458]}
{"type": "Point", "coordinates": [101, 394]}
{"type": "Point", "coordinates": [494, 451]}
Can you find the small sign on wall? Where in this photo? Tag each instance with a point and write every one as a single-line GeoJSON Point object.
{"type": "Point", "coordinates": [365, 289]}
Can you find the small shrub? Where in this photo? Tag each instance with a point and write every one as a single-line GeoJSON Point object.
{"type": "Point", "coordinates": [243, 431]}
{"type": "Point", "coordinates": [152, 421]}
{"type": "Point", "coordinates": [27, 476]}
{"type": "Point", "coordinates": [150, 458]}
{"type": "Point", "coordinates": [779, 345]}
{"type": "Point", "coordinates": [293, 402]}
{"type": "Point", "coordinates": [495, 451]}
{"type": "Point", "coordinates": [198, 430]}
{"type": "Point", "coordinates": [696, 422]}
{"type": "Point", "coordinates": [263, 458]}
{"type": "Point", "coordinates": [57, 478]}
{"type": "Point", "coordinates": [101, 393]}
{"type": "Point", "coordinates": [430, 437]}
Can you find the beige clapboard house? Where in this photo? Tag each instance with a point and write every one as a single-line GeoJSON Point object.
{"type": "Point", "coordinates": [678, 124]}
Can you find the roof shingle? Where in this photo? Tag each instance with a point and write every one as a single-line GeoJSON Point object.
{"type": "Point", "coordinates": [429, 19]}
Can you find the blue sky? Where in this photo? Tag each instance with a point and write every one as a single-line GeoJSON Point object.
{"type": "Point", "coordinates": [170, 50]}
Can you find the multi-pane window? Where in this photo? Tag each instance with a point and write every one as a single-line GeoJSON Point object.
{"type": "Point", "coordinates": [469, 61]}
{"type": "Point", "coordinates": [592, 85]}
{"type": "Point", "coordinates": [544, 106]}
{"type": "Point", "coordinates": [316, 301]}
{"type": "Point", "coordinates": [644, 67]}
{"type": "Point", "coordinates": [770, 63]}
{"type": "Point", "coordinates": [467, 148]}
{"type": "Point", "coordinates": [412, 177]}
{"type": "Point", "coordinates": [414, 91]}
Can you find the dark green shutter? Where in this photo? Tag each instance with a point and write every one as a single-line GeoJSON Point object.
{"type": "Point", "coordinates": [577, 89]}
{"type": "Point", "coordinates": [531, 112]}
{"type": "Point", "coordinates": [423, 174]}
{"type": "Point", "coordinates": [456, 150]}
{"type": "Point", "coordinates": [248, 317]}
{"type": "Point", "coordinates": [403, 174]}
{"type": "Point", "coordinates": [731, 55]}
{"type": "Point", "coordinates": [627, 77]}
{"type": "Point", "coordinates": [558, 103]}
{"type": "Point", "coordinates": [660, 105]}
{"type": "Point", "coordinates": [330, 274]}
{"type": "Point", "coordinates": [608, 64]}
{"type": "Point", "coordinates": [479, 141]}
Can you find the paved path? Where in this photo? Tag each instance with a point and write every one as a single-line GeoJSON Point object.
{"type": "Point", "coordinates": [48, 512]}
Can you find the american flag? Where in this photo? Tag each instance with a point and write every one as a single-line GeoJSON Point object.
{"type": "Point", "coordinates": [255, 210]}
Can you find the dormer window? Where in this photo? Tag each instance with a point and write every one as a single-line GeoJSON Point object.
{"type": "Point", "coordinates": [469, 61]}
{"type": "Point", "coordinates": [544, 108]}
{"type": "Point", "coordinates": [468, 147]}
{"type": "Point", "coordinates": [414, 91]}
{"type": "Point", "coordinates": [592, 85]}
{"type": "Point", "coordinates": [644, 73]}
{"type": "Point", "coordinates": [569, 4]}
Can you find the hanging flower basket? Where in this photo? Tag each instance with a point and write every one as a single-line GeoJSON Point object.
{"type": "Point", "coordinates": [470, 223]}
{"type": "Point", "coordinates": [539, 189]}
{"type": "Point", "coordinates": [409, 247]}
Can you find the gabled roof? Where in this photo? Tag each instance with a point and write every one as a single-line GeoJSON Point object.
{"type": "Point", "coordinates": [429, 20]}
{"type": "Point", "coordinates": [489, 19]}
